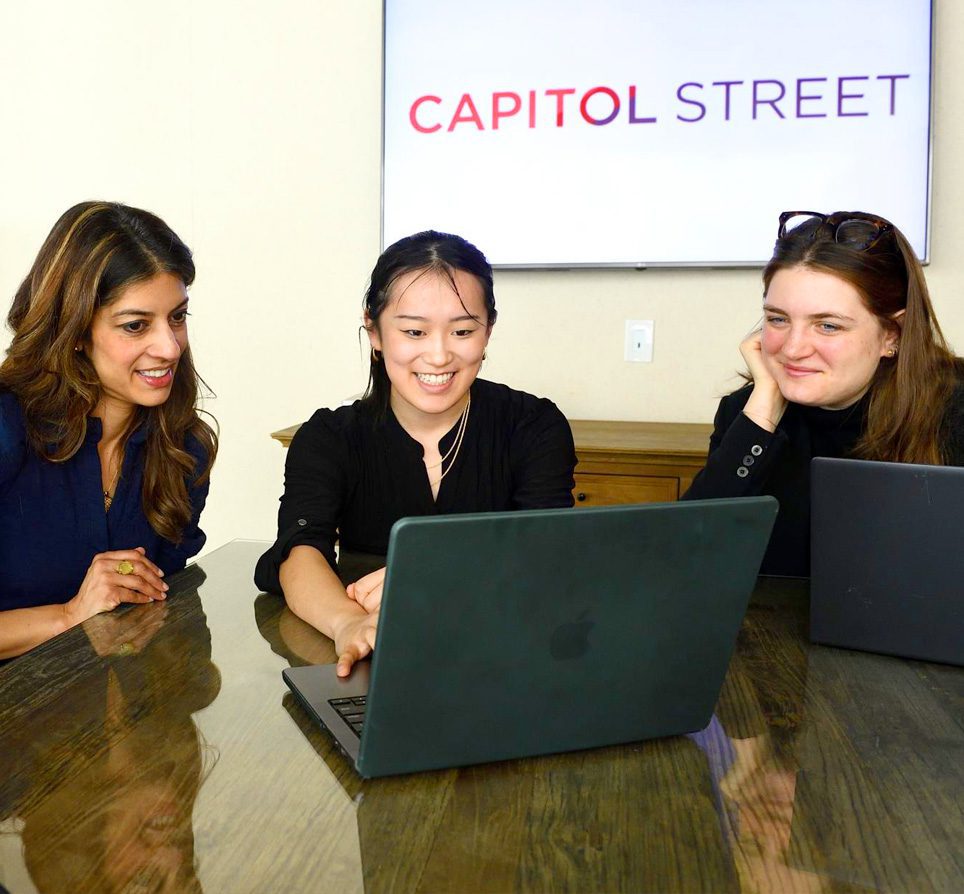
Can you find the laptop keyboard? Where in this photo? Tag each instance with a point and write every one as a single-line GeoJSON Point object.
{"type": "Point", "coordinates": [351, 710]}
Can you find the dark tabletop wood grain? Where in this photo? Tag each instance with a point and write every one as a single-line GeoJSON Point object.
{"type": "Point", "coordinates": [157, 749]}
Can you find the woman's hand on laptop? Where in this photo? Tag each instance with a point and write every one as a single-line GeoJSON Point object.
{"type": "Point", "coordinates": [354, 640]}
{"type": "Point", "coordinates": [367, 590]}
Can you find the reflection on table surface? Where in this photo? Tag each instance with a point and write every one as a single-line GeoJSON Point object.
{"type": "Point", "coordinates": [157, 749]}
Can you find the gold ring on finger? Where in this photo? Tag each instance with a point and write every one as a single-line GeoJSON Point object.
{"type": "Point", "coordinates": [125, 566]}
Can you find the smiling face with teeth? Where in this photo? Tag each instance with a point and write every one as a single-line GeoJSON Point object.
{"type": "Point", "coordinates": [432, 337]}
{"type": "Point", "coordinates": [135, 343]}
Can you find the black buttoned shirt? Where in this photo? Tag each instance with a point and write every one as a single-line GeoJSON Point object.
{"type": "Point", "coordinates": [350, 476]}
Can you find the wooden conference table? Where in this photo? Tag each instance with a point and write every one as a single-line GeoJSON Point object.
{"type": "Point", "coordinates": [157, 748]}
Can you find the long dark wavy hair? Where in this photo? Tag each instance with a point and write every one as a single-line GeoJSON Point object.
{"type": "Point", "coordinates": [94, 252]}
{"type": "Point", "coordinates": [428, 252]}
{"type": "Point", "coordinates": [910, 392]}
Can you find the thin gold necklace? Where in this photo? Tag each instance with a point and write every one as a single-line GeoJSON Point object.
{"type": "Point", "coordinates": [109, 493]}
{"type": "Point", "coordinates": [453, 451]}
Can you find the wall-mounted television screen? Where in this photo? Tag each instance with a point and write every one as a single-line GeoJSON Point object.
{"type": "Point", "coordinates": [648, 132]}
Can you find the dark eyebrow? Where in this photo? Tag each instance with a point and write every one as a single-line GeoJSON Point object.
{"type": "Point", "coordinates": [821, 316]}
{"type": "Point", "coordinates": [425, 319]}
{"type": "Point", "coordinates": [146, 313]}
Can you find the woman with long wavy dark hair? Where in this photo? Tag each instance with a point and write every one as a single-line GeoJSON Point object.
{"type": "Point", "coordinates": [104, 460]}
{"type": "Point", "coordinates": [850, 361]}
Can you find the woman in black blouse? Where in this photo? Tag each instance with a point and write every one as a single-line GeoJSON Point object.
{"type": "Point", "coordinates": [850, 361]}
{"type": "Point", "coordinates": [428, 438]}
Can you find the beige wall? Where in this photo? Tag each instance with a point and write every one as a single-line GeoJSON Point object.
{"type": "Point", "coordinates": [253, 129]}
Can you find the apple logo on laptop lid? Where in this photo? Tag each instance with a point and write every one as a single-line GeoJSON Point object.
{"type": "Point", "coordinates": [571, 640]}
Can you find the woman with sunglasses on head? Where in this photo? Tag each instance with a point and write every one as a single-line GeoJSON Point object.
{"type": "Point", "coordinates": [850, 362]}
{"type": "Point", "coordinates": [104, 460]}
{"type": "Point", "coordinates": [429, 438]}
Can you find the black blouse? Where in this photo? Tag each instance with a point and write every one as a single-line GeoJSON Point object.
{"type": "Point", "coordinates": [349, 476]}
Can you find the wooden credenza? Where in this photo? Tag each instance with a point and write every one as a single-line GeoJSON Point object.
{"type": "Point", "coordinates": [625, 462]}
{"type": "Point", "coordinates": [286, 434]}
{"type": "Point", "coordinates": [636, 462]}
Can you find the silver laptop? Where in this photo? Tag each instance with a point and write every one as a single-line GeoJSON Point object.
{"type": "Point", "coordinates": [887, 558]}
{"type": "Point", "coordinates": [510, 634]}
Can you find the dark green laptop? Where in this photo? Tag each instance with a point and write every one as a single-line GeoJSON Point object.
{"type": "Point", "coordinates": [508, 634]}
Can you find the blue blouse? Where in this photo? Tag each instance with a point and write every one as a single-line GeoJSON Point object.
{"type": "Point", "coordinates": [52, 518]}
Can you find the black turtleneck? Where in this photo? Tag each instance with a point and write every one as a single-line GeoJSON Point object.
{"type": "Point", "coordinates": [746, 460]}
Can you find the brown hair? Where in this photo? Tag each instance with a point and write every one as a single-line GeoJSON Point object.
{"type": "Point", "coordinates": [910, 392]}
{"type": "Point", "coordinates": [94, 252]}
